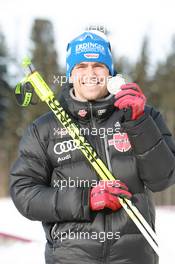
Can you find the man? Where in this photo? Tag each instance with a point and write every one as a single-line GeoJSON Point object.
{"type": "Point", "coordinates": [84, 223]}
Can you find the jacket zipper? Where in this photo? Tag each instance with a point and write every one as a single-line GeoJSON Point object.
{"type": "Point", "coordinates": [53, 229]}
{"type": "Point", "coordinates": [93, 125]}
{"type": "Point", "coordinates": [107, 218]}
{"type": "Point", "coordinates": [92, 117]}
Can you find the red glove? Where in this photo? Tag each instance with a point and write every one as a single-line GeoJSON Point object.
{"type": "Point", "coordinates": [131, 96]}
{"type": "Point", "coordinates": [106, 193]}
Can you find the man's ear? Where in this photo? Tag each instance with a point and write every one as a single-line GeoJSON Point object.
{"type": "Point", "coordinates": [70, 79]}
{"type": "Point", "coordinates": [73, 79]}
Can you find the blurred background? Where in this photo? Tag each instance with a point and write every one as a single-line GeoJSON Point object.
{"type": "Point", "coordinates": [142, 36]}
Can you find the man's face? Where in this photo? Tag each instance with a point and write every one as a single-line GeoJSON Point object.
{"type": "Point", "coordinates": [90, 80]}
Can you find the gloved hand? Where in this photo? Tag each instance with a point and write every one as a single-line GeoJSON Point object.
{"type": "Point", "coordinates": [106, 193]}
{"type": "Point", "coordinates": [131, 96]}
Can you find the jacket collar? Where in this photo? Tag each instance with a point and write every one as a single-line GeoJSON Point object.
{"type": "Point", "coordinates": [85, 111]}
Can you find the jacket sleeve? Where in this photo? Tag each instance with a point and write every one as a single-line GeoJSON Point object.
{"type": "Point", "coordinates": [30, 186]}
{"type": "Point", "coordinates": [154, 149]}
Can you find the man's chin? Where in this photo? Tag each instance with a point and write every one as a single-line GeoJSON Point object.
{"type": "Point", "coordinates": [93, 97]}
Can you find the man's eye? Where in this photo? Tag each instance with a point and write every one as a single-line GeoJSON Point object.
{"type": "Point", "coordinates": [98, 66]}
{"type": "Point", "coordinates": [80, 66]}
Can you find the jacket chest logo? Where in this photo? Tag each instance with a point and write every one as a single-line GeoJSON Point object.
{"type": "Point", "coordinates": [82, 112]}
{"type": "Point", "coordinates": [120, 141]}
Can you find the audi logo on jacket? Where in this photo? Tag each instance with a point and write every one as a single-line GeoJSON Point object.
{"type": "Point", "coordinates": [74, 234]}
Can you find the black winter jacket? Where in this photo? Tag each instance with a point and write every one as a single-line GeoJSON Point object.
{"type": "Point", "coordinates": [41, 187]}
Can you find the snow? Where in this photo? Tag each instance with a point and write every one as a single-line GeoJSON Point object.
{"type": "Point", "coordinates": [20, 253]}
{"type": "Point", "coordinates": [14, 251]}
{"type": "Point", "coordinates": [14, 224]}
{"type": "Point", "coordinates": [165, 221]}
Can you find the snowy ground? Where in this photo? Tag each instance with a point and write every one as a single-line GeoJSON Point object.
{"type": "Point", "coordinates": [14, 224]}
{"type": "Point", "coordinates": [31, 251]}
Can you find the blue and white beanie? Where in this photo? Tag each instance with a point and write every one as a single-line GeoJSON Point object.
{"type": "Point", "coordinates": [91, 46]}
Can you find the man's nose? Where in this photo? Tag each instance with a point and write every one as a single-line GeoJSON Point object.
{"type": "Point", "coordinates": [90, 71]}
